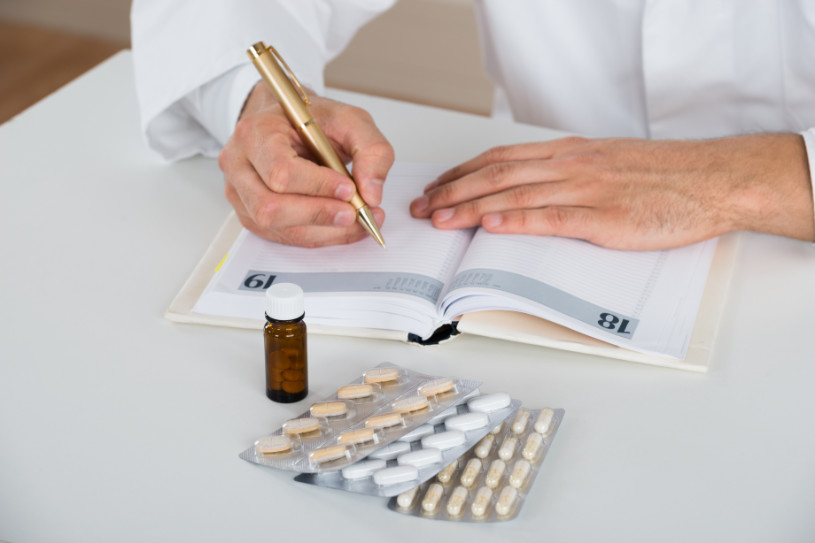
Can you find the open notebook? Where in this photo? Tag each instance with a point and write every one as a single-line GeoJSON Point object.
{"type": "Point", "coordinates": [556, 292]}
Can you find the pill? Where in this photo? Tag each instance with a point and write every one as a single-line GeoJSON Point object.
{"type": "Point", "coordinates": [354, 392]}
{"type": "Point", "coordinates": [273, 444]}
{"type": "Point", "coordinates": [456, 501]}
{"type": "Point", "coordinates": [417, 433]}
{"type": "Point", "coordinates": [409, 404]}
{"type": "Point", "coordinates": [362, 469]}
{"type": "Point", "coordinates": [420, 458]}
{"type": "Point", "coordinates": [446, 475]}
{"type": "Point", "coordinates": [357, 435]}
{"type": "Point", "coordinates": [519, 423]}
{"type": "Point", "coordinates": [507, 449]}
{"type": "Point", "coordinates": [471, 471]}
{"type": "Point", "coordinates": [327, 454]}
{"type": "Point", "coordinates": [432, 497]}
{"type": "Point", "coordinates": [532, 446]}
{"type": "Point", "coordinates": [445, 440]}
{"type": "Point", "coordinates": [506, 500]}
{"type": "Point", "coordinates": [483, 448]}
{"type": "Point", "coordinates": [380, 375]}
{"type": "Point", "coordinates": [498, 429]}
{"type": "Point", "coordinates": [494, 474]}
{"type": "Point", "coordinates": [467, 422]}
{"type": "Point", "coordinates": [436, 386]}
{"type": "Point", "coordinates": [405, 499]}
{"type": "Point", "coordinates": [391, 451]}
{"type": "Point", "coordinates": [328, 409]}
{"type": "Point", "coordinates": [543, 424]}
{"type": "Point", "coordinates": [520, 471]}
{"type": "Point", "coordinates": [438, 417]}
{"type": "Point", "coordinates": [396, 475]}
{"type": "Point", "coordinates": [489, 402]}
{"type": "Point", "coordinates": [481, 501]}
{"type": "Point", "coordinates": [385, 420]}
{"type": "Point", "coordinates": [301, 426]}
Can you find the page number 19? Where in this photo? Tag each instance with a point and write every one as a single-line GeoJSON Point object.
{"type": "Point", "coordinates": [614, 323]}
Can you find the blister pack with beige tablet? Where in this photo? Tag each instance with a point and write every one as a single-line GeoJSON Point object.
{"type": "Point", "coordinates": [492, 480]}
{"type": "Point", "coordinates": [420, 454]}
{"type": "Point", "coordinates": [370, 412]}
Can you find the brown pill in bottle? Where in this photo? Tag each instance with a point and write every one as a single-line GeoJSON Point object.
{"type": "Point", "coordinates": [285, 343]}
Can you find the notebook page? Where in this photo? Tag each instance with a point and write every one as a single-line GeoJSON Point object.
{"type": "Point", "coordinates": [646, 301]}
{"type": "Point", "coordinates": [412, 271]}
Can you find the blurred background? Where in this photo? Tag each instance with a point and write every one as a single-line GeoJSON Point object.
{"type": "Point", "coordinates": [423, 51]}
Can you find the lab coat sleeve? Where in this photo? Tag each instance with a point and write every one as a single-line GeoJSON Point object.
{"type": "Point", "coordinates": [191, 68]}
{"type": "Point", "coordinates": [809, 141]}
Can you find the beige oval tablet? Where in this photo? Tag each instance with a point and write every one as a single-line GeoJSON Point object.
{"type": "Point", "coordinates": [359, 435]}
{"type": "Point", "coordinates": [301, 426]}
{"type": "Point", "coordinates": [328, 409]}
{"type": "Point", "coordinates": [352, 392]}
{"type": "Point", "coordinates": [411, 403]}
{"type": "Point", "coordinates": [436, 386]}
{"type": "Point", "coordinates": [327, 454]}
{"type": "Point", "coordinates": [273, 444]}
{"type": "Point", "coordinates": [380, 375]}
{"type": "Point", "coordinates": [385, 420]}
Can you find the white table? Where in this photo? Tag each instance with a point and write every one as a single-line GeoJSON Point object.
{"type": "Point", "coordinates": [116, 425]}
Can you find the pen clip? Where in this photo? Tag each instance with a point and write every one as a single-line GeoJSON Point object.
{"type": "Point", "coordinates": [289, 74]}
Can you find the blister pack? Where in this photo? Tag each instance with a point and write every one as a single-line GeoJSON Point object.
{"type": "Point", "coordinates": [420, 454]}
{"type": "Point", "coordinates": [367, 414]}
{"type": "Point", "coordinates": [491, 481]}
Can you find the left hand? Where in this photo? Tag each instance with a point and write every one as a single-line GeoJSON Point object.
{"type": "Point", "coordinates": [630, 194]}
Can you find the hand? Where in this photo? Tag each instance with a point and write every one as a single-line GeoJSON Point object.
{"type": "Point", "coordinates": [628, 193]}
{"type": "Point", "coordinates": [280, 194]}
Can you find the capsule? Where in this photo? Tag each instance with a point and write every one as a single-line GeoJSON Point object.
{"type": "Point", "coordinates": [405, 499]}
{"type": "Point", "coordinates": [532, 446]}
{"type": "Point", "coordinates": [506, 500]}
{"type": "Point", "coordinates": [471, 471]}
{"type": "Point", "coordinates": [520, 471]}
{"type": "Point", "coordinates": [543, 424]}
{"type": "Point", "coordinates": [495, 473]}
{"type": "Point", "coordinates": [432, 497]}
{"type": "Point", "coordinates": [520, 421]}
{"type": "Point", "coordinates": [482, 450]}
{"type": "Point", "coordinates": [481, 501]}
{"type": "Point", "coordinates": [456, 501]}
{"type": "Point", "coordinates": [446, 475]}
{"type": "Point", "coordinates": [507, 450]}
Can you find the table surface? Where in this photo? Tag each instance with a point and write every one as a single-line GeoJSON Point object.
{"type": "Point", "coordinates": [117, 425]}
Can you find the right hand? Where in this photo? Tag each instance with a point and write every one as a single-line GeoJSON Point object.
{"type": "Point", "coordinates": [280, 194]}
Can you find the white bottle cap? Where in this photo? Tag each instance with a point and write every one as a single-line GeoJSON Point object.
{"type": "Point", "coordinates": [284, 302]}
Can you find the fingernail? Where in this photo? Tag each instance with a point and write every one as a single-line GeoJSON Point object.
{"type": "Point", "coordinates": [492, 220]}
{"type": "Point", "coordinates": [443, 214]}
{"type": "Point", "coordinates": [344, 218]}
{"type": "Point", "coordinates": [420, 204]}
{"type": "Point", "coordinates": [344, 191]}
{"type": "Point", "coordinates": [379, 182]}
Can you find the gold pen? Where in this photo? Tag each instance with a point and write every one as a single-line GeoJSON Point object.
{"type": "Point", "coordinates": [294, 101]}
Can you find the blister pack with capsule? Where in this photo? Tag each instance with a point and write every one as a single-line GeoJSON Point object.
{"type": "Point", "coordinates": [491, 481]}
{"type": "Point", "coordinates": [420, 454]}
{"type": "Point", "coordinates": [367, 414]}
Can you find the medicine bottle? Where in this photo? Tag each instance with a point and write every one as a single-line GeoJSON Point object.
{"type": "Point", "coordinates": [285, 341]}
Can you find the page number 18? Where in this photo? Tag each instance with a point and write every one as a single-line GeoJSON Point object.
{"type": "Point", "coordinates": [614, 323]}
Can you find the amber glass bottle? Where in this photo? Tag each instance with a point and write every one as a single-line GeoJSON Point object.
{"type": "Point", "coordinates": [285, 340]}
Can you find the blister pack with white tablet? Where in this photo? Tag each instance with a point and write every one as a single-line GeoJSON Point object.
{"type": "Point", "coordinates": [420, 454]}
{"type": "Point", "coordinates": [491, 481]}
{"type": "Point", "coordinates": [361, 417]}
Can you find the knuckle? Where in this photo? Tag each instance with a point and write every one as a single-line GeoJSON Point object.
{"type": "Point", "coordinates": [523, 196]}
{"type": "Point", "coordinates": [501, 153]}
{"type": "Point", "coordinates": [265, 215]}
{"type": "Point", "coordinates": [278, 178]}
{"type": "Point", "coordinates": [500, 173]}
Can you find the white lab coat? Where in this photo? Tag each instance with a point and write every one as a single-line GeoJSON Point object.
{"type": "Point", "coordinates": [638, 68]}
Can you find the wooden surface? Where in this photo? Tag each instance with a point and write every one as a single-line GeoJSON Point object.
{"type": "Point", "coordinates": [34, 62]}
